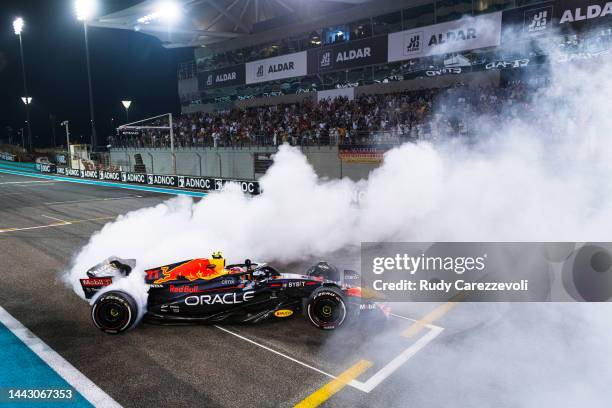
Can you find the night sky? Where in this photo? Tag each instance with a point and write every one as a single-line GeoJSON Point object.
{"type": "Point", "coordinates": [125, 65]}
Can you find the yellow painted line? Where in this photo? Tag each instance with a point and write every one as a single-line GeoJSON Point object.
{"type": "Point", "coordinates": [57, 224]}
{"type": "Point", "coordinates": [324, 393]}
{"type": "Point", "coordinates": [428, 319]}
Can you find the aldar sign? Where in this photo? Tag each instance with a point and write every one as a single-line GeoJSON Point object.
{"type": "Point", "coordinates": [579, 13]}
{"type": "Point", "coordinates": [230, 76]}
{"type": "Point", "coordinates": [348, 55]}
{"type": "Point", "coordinates": [465, 34]}
{"type": "Point", "coordinates": [271, 69]}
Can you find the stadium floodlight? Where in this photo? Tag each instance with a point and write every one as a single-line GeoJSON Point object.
{"type": "Point", "coordinates": [18, 25]}
{"type": "Point", "coordinates": [84, 9]}
{"type": "Point", "coordinates": [27, 100]}
{"type": "Point", "coordinates": [126, 105]}
{"type": "Point", "coordinates": [168, 11]}
{"type": "Point", "coordinates": [18, 28]}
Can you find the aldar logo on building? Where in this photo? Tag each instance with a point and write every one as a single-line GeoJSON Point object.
{"type": "Point", "coordinates": [412, 43]}
{"type": "Point", "coordinates": [538, 20]}
{"type": "Point", "coordinates": [350, 55]}
{"type": "Point", "coordinates": [325, 59]}
{"type": "Point", "coordinates": [260, 71]}
{"type": "Point", "coordinates": [209, 80]}
{"type": "Point", "coordinates": [591, 12]}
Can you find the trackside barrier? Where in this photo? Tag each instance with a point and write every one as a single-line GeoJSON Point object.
{"type": "Point", "coordinates": [11, 165]}
{"type": "Point", "coordinates": [179, 182]}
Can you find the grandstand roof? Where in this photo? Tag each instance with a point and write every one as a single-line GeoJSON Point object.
{"type": "Point", "coordinates": [205, 22]}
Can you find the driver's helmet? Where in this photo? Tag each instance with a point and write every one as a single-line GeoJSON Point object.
{"type": "Point", "coordinates": [218, 260]}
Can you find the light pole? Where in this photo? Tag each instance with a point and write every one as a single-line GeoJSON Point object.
{"type": "Point", "coordinates": [84, 10]}
{"type": "Point", "coordinates": [18, 27]}
{"type": "Point", "coordinates": [126, 105]}
{"type": "Point", "coordinates": [66, 124]}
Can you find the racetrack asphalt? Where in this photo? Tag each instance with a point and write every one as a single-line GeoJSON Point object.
{"type": "Point", "coordinates": [267, 365]}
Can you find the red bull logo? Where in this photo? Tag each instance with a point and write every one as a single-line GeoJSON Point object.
{"type": "Point", "coordinates": [192, 270]}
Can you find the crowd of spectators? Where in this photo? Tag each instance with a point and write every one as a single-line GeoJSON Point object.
{"type": "Point", "coordinates": [368, 119]}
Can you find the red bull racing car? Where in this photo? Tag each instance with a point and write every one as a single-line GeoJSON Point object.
{"type": "Point", "coordinates": [205, 290]}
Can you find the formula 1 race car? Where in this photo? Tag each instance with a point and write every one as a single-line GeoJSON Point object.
{"type": "Point", "coordinates": [205, 290]}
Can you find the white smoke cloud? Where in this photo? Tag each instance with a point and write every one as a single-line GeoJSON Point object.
{"type": "Point", "coordinates": [537, 177]}
{"type": "Point", "coordinates": [543, 176]}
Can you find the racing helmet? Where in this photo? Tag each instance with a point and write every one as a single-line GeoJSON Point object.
{"type": "Point", "coordinates": [218, 260]}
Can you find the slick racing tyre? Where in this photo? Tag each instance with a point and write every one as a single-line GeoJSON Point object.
{"type": "Point", "coordinates": [114, 312]}
{"type": "Point", "coordinates": [325, 308]}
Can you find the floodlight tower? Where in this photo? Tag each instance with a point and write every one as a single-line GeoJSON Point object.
{"type": "Point", "coordinates": [26, 99]}
{"type": "Point", "coordinates": [85, 9]}
{"type": "Point", "coordinates": [126, 105]}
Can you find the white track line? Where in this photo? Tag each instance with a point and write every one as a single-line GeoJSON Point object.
{"type": "Point", "coordinates": [274, 351]}
{"type": "Point", "coordinates": [93, 199]}
{"type": "Point", "coordinates": [58, 224]}
{"type": "Point", "coordinates": [398, 361]}
{"type": "Point", "coordinates": [28, 182]}
{"type": "Point", "coordinates": [92, 393]}
{"type": "Point", "coordinates": [56, 219]}
{"type": "Point", "coordinates": [377, 377]}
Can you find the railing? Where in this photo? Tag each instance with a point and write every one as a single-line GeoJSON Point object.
{"type": "Point", "coordinates": [187, 70]}
{"type": "Point", "coordinates": [387, 137]}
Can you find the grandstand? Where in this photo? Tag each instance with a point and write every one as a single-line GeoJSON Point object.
{"type": "Point", "coordinates": [354, 73]}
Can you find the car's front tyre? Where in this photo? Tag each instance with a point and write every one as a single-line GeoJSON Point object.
{"type": "Point", "coordinates": [114, 312]}
{"type": "Point", "coordinates": [326, 308]}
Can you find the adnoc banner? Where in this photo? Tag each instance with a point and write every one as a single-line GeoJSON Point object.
{"type": "Point", "coordinates": [461, 35]}
{"type": "Point", "coordinates": [229, 76]}
{"type": "Point", "coordinates": [271, 69]}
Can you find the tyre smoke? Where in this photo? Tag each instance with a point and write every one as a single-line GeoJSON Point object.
{"type": "Point", "coordinates": [540, 174]}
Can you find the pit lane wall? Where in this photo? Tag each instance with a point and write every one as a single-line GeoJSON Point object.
{"type": "Point", "coordinates": [192, 183]}
{"type": "Point", "coordinates": [237, 163]}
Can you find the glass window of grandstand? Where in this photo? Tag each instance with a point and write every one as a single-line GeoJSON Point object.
{"type": "Point", "coordinates": [269, 50]}
{"type": "Point", "coordinates": [236, 57]}
{"type": "Point", "coordinates": [313, 40]}
{"type": "Point", "coordinates": [520, 3]}
{"type": "Point", "coordinates": [361, 29]}
{"type": "Point", "coordinates": [205, 63]}
{"type": "Point", "coordinates": [359, 76]}
{"type": "Point", "coordinates": [294, 44]}
{"type": "Point", "coordinates": [488, 6]}
{"type": "Point", "coordinates": [387, 23]}
{"type": "Point", "coordinates": [447, 10]}
{"type": "Point", "coordinates": [387, 72]}
{"type": "Point", "coordinates": [331, 79]}
{"type": "Point", "coordinates": [336, 34]}
{"type": "Point", "coordinates": [418, 16]}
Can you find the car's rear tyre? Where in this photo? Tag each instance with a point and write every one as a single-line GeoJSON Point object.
{"type": "Point", "coordinates": [326, 308]}
{"type": "Point", "coordinates": [114, 312]}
